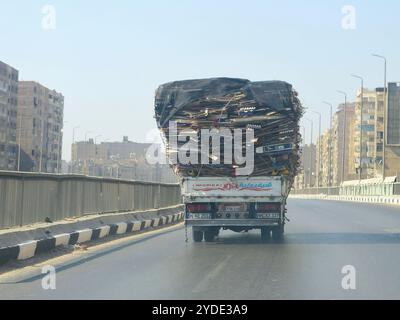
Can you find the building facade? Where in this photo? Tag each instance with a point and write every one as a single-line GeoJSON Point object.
{"type": "Point", "coordinates": [342, 136]}
{"type": "Point", "coordinates": [324, 159]}
{"type": "Point", "coordinates": [367, 151]}
{"type": "Point", "coordinates": [307, 173]}
{"type": "Point", "coordinates": [392, 151]}
{"type": "Point", "coordinates": [40, 125]}
{"type": "Point", "coordinates": [122, 159]}
{"type": "Point", "coordinates": [8, 117]}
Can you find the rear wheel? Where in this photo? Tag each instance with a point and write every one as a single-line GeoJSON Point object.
{"type": "Point", "coordinates": [209, 235]}
{"type": "Point", "coordinates": [197, 235]}
{"type": "Point", "coordinates": [265, 234]}
{"type": "Point", "coordinates": [278, 232]}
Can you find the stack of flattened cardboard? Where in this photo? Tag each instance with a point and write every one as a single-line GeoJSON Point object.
{"type": "Point", "coordinates": [270, 108]}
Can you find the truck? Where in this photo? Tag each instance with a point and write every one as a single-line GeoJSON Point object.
{"type": "Point", "coordinates": [239, 204]}
{"type": "Point", "coordinates": [259, 119]}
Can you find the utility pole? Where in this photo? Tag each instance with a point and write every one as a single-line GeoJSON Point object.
{"type": "Point", "coordinates": [73, 134]}
{"type": "Point", "coordinates": [19, 144]}
{"type": "Point", "coordinates": [344, 134]}
{"type": "Point", "coordinates": [303, 161]}
{"type": "Point", "coordinates": [361, 124]}
{"type": "Point", "coordinates": [60, 147]}
{"type": "Point", "coordinates": [311, 151]}
{"type": "Point", "coordinates": [319, 147]}
{"type": "Point", "coordinates": [385, 110]}
{"type": "Point", "coordinates": [330, 143]}
{"type": "Point", "coordinates": [41, 145]}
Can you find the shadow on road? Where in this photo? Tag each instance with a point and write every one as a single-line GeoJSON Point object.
{"type": "Point", "coordinates": [314, 238]}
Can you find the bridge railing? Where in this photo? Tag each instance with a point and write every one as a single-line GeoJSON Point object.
{"type": "Point", "coordinates": [382, 189]}
{"type": "Point", "coordinates": [27, 198]}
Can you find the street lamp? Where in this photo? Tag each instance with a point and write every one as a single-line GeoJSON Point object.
{"type": "Point", "coordinates": [95, 144]}
{"type": "Point", "coordinates": [304, 143]}
{"type": "Point", "coordinates": [330, 143]}
{"type": "Point", "coordinates": [384, 113]}
{"type": "Point", "coordinates": [361, 122]}
{"type": "Point", "coordinates": [311, 150]}
{"type": "Point", "coordinates": [344, 133]}
{"type": "Point", "coordinates": [60, 148]}
{"type": "Point", "coordinates": [319, 145]}
{"type": "Point", "coordinates": [73, 133]}
{"type": "Point", "coordinates": [95, 138]}
{"type": "Point", "coordinates": [86, 134]}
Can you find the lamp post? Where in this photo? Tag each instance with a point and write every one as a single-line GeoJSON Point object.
{"type": "Point", "coordinates": [60, 148]}
{"type": "Point", "coordinates": [86, 134]}
{"type": "Point", "coordinates": [319, 146]}
{"type": "Point", "coordinates": [385, 106]}
{"type": "Point", "coordinates": [344, 134]}
{"type": "Point", "coordinates": [95, 145]}
{"type": "Point", "coordinates": [19, 144]}
{"type": "Point", "coordinates": [311, 150]}
{"type": "Point", "coordinates": [361, 122]}
{"type": "Point", "coordinates": [73, 133]}
{"type": "Point", "coordinates": [304, 143]}
{"type": "Point", "coordinates": [330, 143]}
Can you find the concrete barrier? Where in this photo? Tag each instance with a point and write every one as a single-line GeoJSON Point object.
{"type": "Point", "coordinates": [393, 200]}
{"type": "Point", "coordinates": [31, 241]}
{"type": "Point", "coordinates": [27, 198]}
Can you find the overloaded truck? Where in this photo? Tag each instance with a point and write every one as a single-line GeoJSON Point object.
{"type": "Point", "coordinates": [235, 146]}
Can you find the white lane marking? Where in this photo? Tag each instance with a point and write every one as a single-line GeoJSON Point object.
{"type": "Point", "coordinates": [210, 275]}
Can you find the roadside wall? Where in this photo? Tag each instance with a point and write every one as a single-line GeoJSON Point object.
{"type": "Point", "coordinates": [27, 198]}
{"type": "Point", "coordinates": [390, 200]}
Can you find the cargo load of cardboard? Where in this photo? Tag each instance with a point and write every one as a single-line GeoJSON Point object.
{"type": "Point", "coordinates": [270, 108]}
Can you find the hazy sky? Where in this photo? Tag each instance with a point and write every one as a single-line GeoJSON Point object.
{"type": "Point", "coordinates": [108, 57]}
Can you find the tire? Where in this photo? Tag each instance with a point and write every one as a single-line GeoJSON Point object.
{"type": "Point", "coordinates": [197, 235]}
{"type": "Point", "coordinates": [209, 235]}
{"type": "Point", "coordinates": [278, 232]}
{"type": "Point", "coordinates": [265, 234]}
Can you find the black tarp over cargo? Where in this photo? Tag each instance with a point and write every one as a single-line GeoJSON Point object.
{"type": "Point", "coordinates": [271, 108]}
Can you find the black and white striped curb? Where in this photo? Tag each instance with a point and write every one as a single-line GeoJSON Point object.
{"type": "Point", "coordinates": [362, 199]}
{"type": "Point", "coordinates": [29, 249]}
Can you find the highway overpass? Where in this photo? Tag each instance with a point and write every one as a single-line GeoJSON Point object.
{"type": "Point", "coordinates": [322, 238]}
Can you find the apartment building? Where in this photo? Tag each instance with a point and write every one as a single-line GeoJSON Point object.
{"type": "Point", "coordinates": [342, 135]}
{"type": "Point", "coordinates": [325, 159]}
{"type": "Point", "coordinates": [8, 116]}
{"type": "Point", "coordinates": [367, 134]}
{"type": "Point", "coordinates": [40, 125]}
{"type": "Point", "coordinates": [392, 150]}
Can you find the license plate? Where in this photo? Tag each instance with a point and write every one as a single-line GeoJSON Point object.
{"type": "Point", "coordinates": [232, 208]}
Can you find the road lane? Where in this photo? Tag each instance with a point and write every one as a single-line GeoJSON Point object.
{"type": "Point", "coordinates": [322, 237]}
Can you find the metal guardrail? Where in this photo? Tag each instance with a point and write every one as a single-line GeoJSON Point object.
{"type": "Point", "coordinates": [382, 189]}
{"type": "Point", "coordinates": [27, 198]}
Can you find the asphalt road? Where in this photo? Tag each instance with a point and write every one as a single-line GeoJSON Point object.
{"type": "Point", "coordinates": [320, 240]}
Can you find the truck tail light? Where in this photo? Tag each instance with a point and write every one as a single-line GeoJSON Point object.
{"type": "Point", "coordinates": [198, 207]}
{"type": "Point", "coordinates": [268, 207]}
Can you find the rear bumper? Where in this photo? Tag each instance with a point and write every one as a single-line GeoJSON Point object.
{"type": "Point", "coordinates": [231, 223]}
